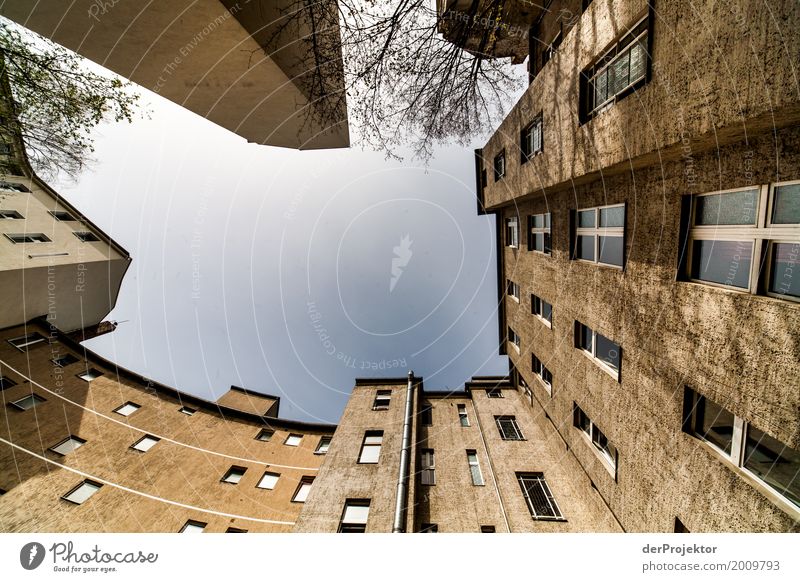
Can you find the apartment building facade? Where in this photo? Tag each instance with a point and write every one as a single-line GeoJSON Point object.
{"type": "Point", "coordinates": [646, 189]}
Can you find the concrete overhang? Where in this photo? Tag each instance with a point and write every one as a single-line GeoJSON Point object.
{"type": "Point", "coordinates": [230, 62]}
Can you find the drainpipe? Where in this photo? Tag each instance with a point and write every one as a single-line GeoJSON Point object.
{"type": "Point", "coordinates": [405, 451]}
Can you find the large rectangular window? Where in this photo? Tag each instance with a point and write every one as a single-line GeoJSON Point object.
{"type": "Point", "coordinates": [474, 467]}
{"type": "Point", "coordinates": [531, 139]}
{"type": "Point", "coordinates": [508, 427]}
{"type": "Point", "coordinates": [371, 447]}
{"type": "Point", "coordinates": [427, 467]}
{"type": "Point", "coordinates": [606, 451]}
{"type": "Point", "coordinates": [539, 233]}
{"type": "Point", "coordinates": [606, 353]}
{"type": "Point", "coordinates": [746, 239]}
{"type": "Point", "coordinates": [354, 516]}
{"type": "Point", "coordinates": [382, 399]}
{"type": "Point", "coordinates": [618, 73]}
{"type": "Point", "coordinates": [600, 235]}
{"type": "Point", "coordinates": [538, 496]}
{"type": "Point", "coordinates": [752, 450]}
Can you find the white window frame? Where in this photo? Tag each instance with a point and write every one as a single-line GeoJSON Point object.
{"type": "Point", "coordinates": [74, 442]}
{"type": "Point", "coordinates": [24, 342]}
{"type": "Point", "coordinates": [518, 436]}
{"type": "Point", "coordinates": [512, 290]}
{"type": "Point", "coordinates": [135, 407]}
{"type": "Point", "coordinates": [538, 478]}
{"type": "Point", "coordinates": [608, 462]}
{"type": "Point", "coordinates": [540, 374]}
{"type": "Point", "coordinates": [372, 443]}
{"type": "Point", "coordinates": [90, 487]}
{"type": "Point", "coordinates": [759, 237]}
{"type": "Point", "coordinates": [323, 445]}
{"type": "Point", "coordinates": [512, 232]}
{"type": "Point", "coordinates": [474, 465]}
{"type": "Point", "coordinates": [545, 231]}
{"type": "Point", "coordinates": [234, 475]}
{"type": "Point", "coordinates": [268, 480]}
{"type": "Point", "coordinates": [513, 338]}
{"type": "Point", "coordinates": [592, 355]}
{"type": "Point", "coordinates": [303, 490]}
{"type": "Point", "coordinates": [529, 134]}
{"type": "Point", "coordinates": [145, 443]}
{"type": "Point", "coordinates": [537, 310]}
{"type": "Point", "coordinates": [354, 519]}
{"type": "Point", "coordinates": [599, 231]}
{"type": "Point", "coordinates": [463, 415]}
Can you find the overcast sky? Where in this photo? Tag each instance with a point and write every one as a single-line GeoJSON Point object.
{"type": "Point", "coordinates": [271, 269]}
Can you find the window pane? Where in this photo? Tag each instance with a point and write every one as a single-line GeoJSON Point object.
{"type": "Point", "coordinates": [774, 462]}
{"type": "Point", "coordinates": [727, 208]}
{"type": "Point", "coordinates": [67, 446]}
{"type": "Point", "coordinates": [620, 73]}
{"type": "Point", "coordinates": [611, 250]}
{"type": "Point", "coordinates": [370, 454]}
{"type": "Point", "coordinates": [538, 221]}
{"type": "Point", "coordinates": [586, 219]}
{"type": "Point", "coordinates": [82, 493]}
{"type": "Point", "coordinates": [785, 275]}
{"type": "Point", "coordinates": [293, 440]}
{"type": "Point", "coordinates": [722, 261]}
{"type": "Point", "coordinates": [477, 478]}
{"type": "Point", "coordinates": [586, 247]}
{"type": "Point", "coordinates": [145, 444]}
{"type": "Point", "coordinates": [268, 481]}
{"type": "Point", "coordinates": [608, 351]}
{"type": "Point", "coordinates": [356, 514]}
{"type": "Point", "coordinates": [600, 88]}
{"type": "Point", "coordinates": [547, 311]}
{"type": "Point", "coordinates": [538, 242]}
{"type": "Point", "coordinates": [586, 338]}
{"type": "Point", "coordinates": [614, 216]}
{"type": "Point", "coordinates": [715, 425]}
{"type": "Point", "coordinates": [786, 205]}
{"type": "Point", "coordinates": [302, 493]}
{"type": "Point", "coordinates": [28, 402]}
{"type": "Point", "coordinates": [638, 60]}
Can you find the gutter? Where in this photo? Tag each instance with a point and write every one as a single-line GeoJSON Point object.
{"type": "Point", "coordinates": [402, 477]}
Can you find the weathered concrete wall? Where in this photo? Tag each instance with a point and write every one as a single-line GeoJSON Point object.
{"type": "Point", "coordinates": [143, 490]}
{"type": "Point", "coordinates": [741, 350]}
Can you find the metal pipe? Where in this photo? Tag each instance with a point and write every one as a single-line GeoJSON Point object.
{"type": "Point", "coordinates": [402, 477]}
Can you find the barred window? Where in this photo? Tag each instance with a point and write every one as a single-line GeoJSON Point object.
{"type": "Point", "coordinates": [538, 496]}
{"type": "Point", "coordinates": [509, 429]}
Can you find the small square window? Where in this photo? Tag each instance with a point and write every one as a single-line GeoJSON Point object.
{"type": "Point", "coordinates": [303, 489]}
{"type": "Point", "coordinates": [234, 475]}
{"type": "Point", "coordinates": [145, 443]}
{"type": "Point", "coordinates": [65, 360]}
{"type": "Point", "coordinates": [293, 440]}
{"type": "Point", "coordinates": [62, 215]}
{"type": "Point", "coordinates": [68, 445]}
{"type": "Point", "coordinates": [82, 492]}
{"type": "Point", "coordinates": [127, 409]}
{"type": "Point", "coordinates": [28, 402]}
{"type": "Point", "coordinates": [268, 480]}
{"type": "Point", "coordinates": [187, 411]}
{"type": "Point", "coordinates": [85, 236]}
{"type": "Point", "coordinates": [193, 526]}
{"type": "Point", "coordinates": [323, 446]}
{"type": "Point", "coordinates": [265, 434]}
{"type": "Point", "coordinates": [90, 374]}
{"type": "Point", "coordinates": [6, 382]}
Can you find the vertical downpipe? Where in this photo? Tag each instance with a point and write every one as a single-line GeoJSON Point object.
{"type": "Point", "coordinates": [402, 477]}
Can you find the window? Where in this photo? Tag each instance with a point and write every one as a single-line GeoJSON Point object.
{"type": "Point", "coordinates": [600, 235]}
{"type": "Point", "coordinates": [371, 447]}
{"type": "Point", "coordinates": [64, 361]}
{"type": "Point", "coordinates": [512, 289]}
{"type": "Point", "coordinates": [474, 467]}
{"type": "Point", "coordinates": [323, 445]}
{"type": "Point", "coordinates": [542, 373]}
{"type": "Point", "coordinates": [618, 73]}
{"type": "Point", "coordinates": [24, 343]}
{"type": "Point", "coordinates": [145, 443]}
{"type": "Point", "coordinates": [602, 350]}
{"type": "Point", "coordinates": [732, 234]}
{"type": "Point", "coordinates": [755, 452]}
{"type": "Point", "coordinates": [542, 309]}
{"type": "Point", "coordinates": [10, 215]}
{"type": "Point", "coordinates": [531, 140]}
{"type": "Point", "coordinates": [268, 480]}
{"type": "Point", "coordinates": [193, 526]}
{"type": "Point", "coordinates": [509, 430]}
{"type": "Point", "coordinates": [607, 451]}
{"type": "Point", "coordinates": [31, 237]}
{"type": "Point", "coordinates": [494, 393]}
{"type": "Point", "coordinates": [13, 186]}
{"type": "Point", "coordinates": [462, 415]}
{"type": "Point", "coordinates": [487, 529]}
{"type": "Point", "coordinates": [90, 374]}
{"type": "Point", "coordinates": [426, 414]}
{"type": "Point", "coordinates": [6, 382]}
{"type": "Point", "coordinates": [68, 445]}
{"type": "Point", "coordinates": [265, 434]}
{"type": "Point", "coordinates": [513, 338]}
{"type": "Point", "coordinates": [679, 527]}
{"type": "Point", "coordinates": [86, 236]}
{"type": "Point", "coordinates": [540, 500]}
{"type": "Point", "coordinates": [550, 50]}
{"type": "Point", "coordinates": [303, 489]}
{"type": "Point", "coordinates": [235, 530]}
{"type": "Point", "coordinates": [539, 233]}
{"type": "Point", "coordinates": [500, 166]}
{"type": "Point", "coordinates": [28, 402]}
{"type": "Point", "coordinates": [234, 475]}
{"type": "Point", "coordinates": [187, 411]}
{"type": "Point", "coordinates": [512, 232]}
{"type": "Point", "coordinates": [382, 399]}
{"type": "Point", "coordinates": [82, 492]}
{"type": "Point", "coordinates": [293, 440]}
{"type": "Point", "coordinates": [127, 409]}
{"type": "Point", "coordinates": [354, 516]}
{"type": "Point", "coordinates": [427, 467]}
{"type": "Point", "coordinates": [62, 216]}
{"type": "Point", "coordinates": [429, 528]}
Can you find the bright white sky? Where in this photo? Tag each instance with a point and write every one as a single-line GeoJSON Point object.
{"type": "Point", "coordinates": [251, 263]}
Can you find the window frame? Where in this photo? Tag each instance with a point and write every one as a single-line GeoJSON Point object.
{"type": "Point", "coordinates": [14, 187]}
{"type": "Point", "coordinates": [494, 393]}
{"type": "Point", "coordinates": [518, 435]}
{"type": "Point", "coordinates": [592, 354]}
{"type": "Point", "coordinates": [538, 301]}
{"type": "Point", "coordinates": [463, 415]}
{"type": "Point", "coordinates": [475, 466]}
{"type": "Point", "coordinates": [598, 231]}
{"type": "Point", "coordinates": [147, 437]}
{"type": "Point", "coordinates": [499, 174]}
{"type": "Point", "coordinates": [264, 475]}
{"type": "Point", "coordinates": [556, 514]}
{"type": "Point", "coordinates": [86, 236]}
{"type": "Point", "coordinates": [229, 477]}
{"type": "Point", "coordinates": [353, 526]}
{"type": "Point", "coordinates": [540, 376]}
{"type": "Point", "coordinates": [370, 434]}
{"type": "Point", "coordinates": [6, 383]}
{"type": "Point", "coordinates": [192, 525]}
{"type": "Point", "coordinates": [611, 463]}
{"type": "Point", "coordinates": [62, 216]}
{"type": "Point", "coordinates": [10, 236]}
{"type": "Point", "coordinates": [37, 400]}
{"type": "Point", "coordinates": [10, 214]}
{"type": "Point", "coordinates": [267, 432]}
{"type": "Point", "coordinates": [293, 435]}
{"type": "Point", "coordinates": [90, 374]}
{"type": "Point", "coordinates": [512, 232]}
{"type": "Point", "coordinates": [512, 290]}
{"type": "Point", "coordinates": [427, 467]}
{"type": "Point", "coordinates": [546, 232]}
{"type": "Point", "coordinates": [187, 410]}
{"type": "Point", "coordinates": [305, 480]}
{"type": "Point", "coordinates": [80, 442]}
{"type": "Point", "coordinates": [128, 403]}
{"type": "Point", "coordinates": [514, 339]}
{"type": "Point", "coordinates": [97, 486]}
{"type": "Point", "coordinates": [28, 343]}
{"type": "Point", "coordinates": [324, 443]}
{"type": "Point", "coordinates": [72, 359]}
{"type": "Point", "coordinates": [526, 155]}
{"type": "Point", "coordinates": [380, 396]}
